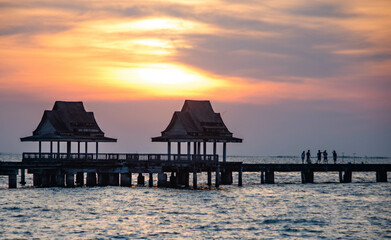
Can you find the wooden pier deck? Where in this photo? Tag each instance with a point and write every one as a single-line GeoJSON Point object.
{"type": "Point", "coordinates": [64, 170]}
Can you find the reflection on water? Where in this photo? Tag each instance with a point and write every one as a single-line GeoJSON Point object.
{"type": "Point", "coordinates": [349, 211]}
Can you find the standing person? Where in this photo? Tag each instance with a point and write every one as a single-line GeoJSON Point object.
{"type": "Point", "coordinates": [319, 156]}
{"type": "Point", "coordinates": [308, 157]}
{"type": "Point", "coordinates": [325, 156]}
{"type": "Point", "coordinates": [335, 156]}
{"type": "Point", "coordinates": [302, 157]}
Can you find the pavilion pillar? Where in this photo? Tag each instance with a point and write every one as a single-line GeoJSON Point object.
{"type": "Point", "coordinates": [204, 150]}
{"type": "Point", "coordinates": [195, 179]}
{"type": "Point", "coordinates": [150, 180]}
{"type": "Point", "coordinates": [188, 150]}
{"type": "Point", "coordinates": [195, 150]}
{"type": "Point", "coordinates": [140, 179]}
{"type": "Point", "coordinates": [162, 180]}
{"type": "Point", "coordinates": [169, 150]}
{"type": "Point", "coordinates": [58, 149]}
{"type": "Point", "coordinates": [179, 151]}
{"type": "Point", "coordinates": [22, 177]}
{"type": "Point", "coordinates": [68, 149]}
{"type": "Point", "coordinates": [224, 151]}
{"type": "Point", "coordinates": [39, 149]}
{"type": "Point", "coordinates": [70, 179]}
{"type": "Point", "coordinates": [91, 179]}
{"type": "Point", "coordinates": [209, 177]}
{"type": "Point", "coordinates": [78, 149]}
{"type": "Point", "coordinates": [51, 149]}
{"type": "Point", "coordinates": [214, 150]}
{"type": "Point", "coordinates": [240, 176]}
{"type": "Point", "coordinates": [97, 150]}
{"type": "Point", "coordinates": [86, 148]}
{"type": "Point", "coordinates": [217, 177]}
{"type": "Point", "coordinates": [126, 179]}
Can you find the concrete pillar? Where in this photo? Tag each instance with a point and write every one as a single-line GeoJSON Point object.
{"type": "Point", "coordinates": [45, 178]}
{"type": "Point", "coordinates": [169, 150]}
{"type": "Point", "coordinates": [70, 179]}
{"type": "Point", "coordinates": [173, 180]}
{"type": "Point", "coordinates": [224, 151]}
{"type": "Point", "coordinates": [22, 177]}
{"type": "Point", "coordinates": [150, 180]}
{"type": "Point", "coordinates": [195, 179]}
{"type": "Point", "coordinates": [126, 179]}
{"type": "Point", "coordinates": [345, 176]}
{"type": "Point", "coordinates": [381, 176]}
{"type": "Point", "coordinates": [240, 175]}
{"type": "Point", "coordinates": [140, 179]}
{"type": "Point", "coordinates": [226, 177]}
{"type": "Point", "coordinates": [12, 181]}
{"type": "Point", "coordinates": [183, 177]}
{"type": "Point", "coordinates": [217, 177]}
{"type": "Point", "coordinates": [269, 176]}
{"type": "Point", "coordinates": [209, 178]}
{"type": "Point", "coordinates": [80, 178]}
{"type": "Point", "coordinates": [103, 179]}
{"type": "Point", "coordinates": [307, 176]}
{"type": "Point", "coordinates": [113, 179]}
{"type": "Point", "coordinates": [162, 180]}
{"type": "Point", "coordinates": [60, 179]}
{"type": "Point", "coordinates": [91, 179]}
{"type": "Point", "coordinates": [262, 177]}
{"type": "Point", "coordinates": [37, 180]}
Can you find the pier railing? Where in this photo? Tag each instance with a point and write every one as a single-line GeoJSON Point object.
{"type": "Point", "coordinates": [34, 156]}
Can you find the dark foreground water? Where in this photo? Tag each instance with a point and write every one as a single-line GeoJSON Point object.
{"type": "Point", "coordinates": [288, 209]}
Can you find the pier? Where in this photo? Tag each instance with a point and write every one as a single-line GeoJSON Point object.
{"type": "Point", "coordinates": [117, 169]}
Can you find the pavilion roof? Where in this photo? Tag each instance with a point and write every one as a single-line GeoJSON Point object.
{"type": "Point", "coordinates": [68, 121]}
{"type": "Point", "coordinates": [196, 122]}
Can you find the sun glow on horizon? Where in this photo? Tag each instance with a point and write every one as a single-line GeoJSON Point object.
{"type": "Point", "coordinates": [165, 79]}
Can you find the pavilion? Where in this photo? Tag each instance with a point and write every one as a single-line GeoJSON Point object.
{"type": "Point", "coordinates": [196, 123]}
{"type": "Point", "coordinates": [67, 122]}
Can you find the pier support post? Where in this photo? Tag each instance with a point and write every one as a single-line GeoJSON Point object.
{"type": "Point", "coordinates": [381, 176]}
{"type": "Point", "coordinates": [209, 178]}
{"type": "Point", "coordinates": [45, 180]}
{"type": "Point", "coordinates": [162, 180]}
{"type": "Point", "coordinates": [103, 179]}
{"type": "Point", "coordinates": [345, 176]}
{"type": "Point", "coordinates": [12, 181]}
{"type": "Point", "coordinates": [307, 176]}
{"type": "Point", "coordinates": [70, 179]}
{"type": "Point", "coordinates": [91, 179]}
{"type": "Point", "coordinates": [22, 177]}
{"type": "Point", "coordinates": [240, 176]}
{"type": "Point", "coordinates": [150, 180]}
{"type": "Point", "coordinates": [126, 179]}
{"type": "Point", "coordinates": [195, 179]}
{"type": "Point", "coordinates": [217, 184]}
{"type": "Point", "coordinates": [113, 179]}
{"type": "Point", "coordinates": [269, 176]}
{"type": "Point", "coordinates": [226, 177]}
{"type": "Point", "coordinates": [262, 177]}
{"type": "Point", "coordinates": [173, 180]}
{"type": "Point", "coordinates": [140, 179]}
{"type": "Point", "coordinates": [37, 180]}
{"type": "Point", "coordinates": [79, 178]}
{"type": "Point", "coordinates": [60, 179]}
{"type": "Point", "coordinates": [183, 177]}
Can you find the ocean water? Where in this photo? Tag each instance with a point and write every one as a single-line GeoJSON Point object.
{"type": "Point", "coordinates": [287, 209]}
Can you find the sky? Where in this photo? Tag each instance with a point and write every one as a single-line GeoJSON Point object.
{"type": "Point", "coordinates": [286, 75]}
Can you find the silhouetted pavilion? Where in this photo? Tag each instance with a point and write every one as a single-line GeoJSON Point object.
{"type": "Point", "coordinates": [196, 123]}
{"type": "Point", "coordinates": [68, 122]}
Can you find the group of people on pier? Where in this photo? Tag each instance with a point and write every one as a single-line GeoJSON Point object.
{"type": "Point", "coordinates": [319, 156]}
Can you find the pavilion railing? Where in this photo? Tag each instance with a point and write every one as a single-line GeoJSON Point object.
{"type": "Point", "coordinates": [44, 156]}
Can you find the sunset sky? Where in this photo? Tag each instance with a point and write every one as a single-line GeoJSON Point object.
{"type": "Point", "coordinates": [286, 75]}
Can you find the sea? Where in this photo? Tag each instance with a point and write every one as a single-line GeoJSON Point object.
{"type": "Point", "coordinates": [287, 209]}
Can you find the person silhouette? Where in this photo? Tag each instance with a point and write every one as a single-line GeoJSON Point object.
{"type": "Point", "coordinates": [325, 156]}
{"type": "Point", "coordinates": [335, 156]}
{"type": "Point", "coordinates": [302, 157]}
{"type": "Point", "coordinates": [308, 157]}
{"type": "Point", "coordinates": [319, 157]}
